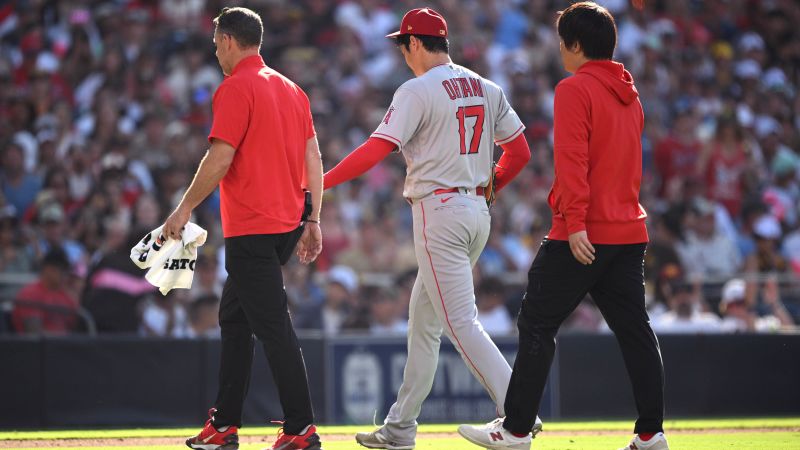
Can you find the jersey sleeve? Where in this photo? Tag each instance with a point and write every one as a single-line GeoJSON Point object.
{"type": "Point", "coordinates": [508, 125]}
{"type": "Point", "coordinates": [402, 118]}
{"type": "Point", "coordinates": [231, 115]}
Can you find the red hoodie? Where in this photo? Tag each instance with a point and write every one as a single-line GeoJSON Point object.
{"type": "Point", "coordinates": [598, 125]}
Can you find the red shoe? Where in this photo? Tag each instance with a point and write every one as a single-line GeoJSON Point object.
{"type": "Point", "coordinates": [212, 439]}
{"type": "Point", "coordinates": [308, 440]}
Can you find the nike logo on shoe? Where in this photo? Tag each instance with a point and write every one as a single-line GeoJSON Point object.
{"type": "Point", "coordinates": [205, 441]}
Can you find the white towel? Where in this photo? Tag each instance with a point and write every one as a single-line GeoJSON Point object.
{"type": "Point", "coordinates": [171, 262]}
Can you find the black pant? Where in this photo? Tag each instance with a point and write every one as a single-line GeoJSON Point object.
{"type": "Point", "coordinates": [557, 283]}
{"type": "Point", "coordinates": [254, 303]}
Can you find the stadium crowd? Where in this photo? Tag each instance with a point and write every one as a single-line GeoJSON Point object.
{"type": "Point", "coordinates": [106, 107]}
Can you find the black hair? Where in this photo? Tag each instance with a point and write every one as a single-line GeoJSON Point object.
{"type": "Point", "coordinates": [56, 257]}
{"type": "Point", "coordinates": [433, 44]}
{"type": "Point", "coordinates": [242, 24]}
{"type": "Point", "coordinates": [591, 26]}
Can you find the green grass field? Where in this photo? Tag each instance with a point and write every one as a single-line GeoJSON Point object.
{"type": "Point", "coordinates": [688, 434]}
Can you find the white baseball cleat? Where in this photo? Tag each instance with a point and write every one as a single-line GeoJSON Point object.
{"type": "Point", "coordinates": [494, 437]}
{"type": "Point", "coordinates": [657, 442]}
{"type": "Point", "coordinates": [381, 439]}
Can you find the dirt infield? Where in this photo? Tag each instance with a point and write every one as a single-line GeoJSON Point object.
{"type": "Point", "coordinates": [160, 441]}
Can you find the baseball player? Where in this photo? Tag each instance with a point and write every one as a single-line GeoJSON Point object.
{"type": "Point", "coordinates": [445, 122]}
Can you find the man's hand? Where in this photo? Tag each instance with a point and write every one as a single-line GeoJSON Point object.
{"type": "Point", "coordinates": [310, 245]}
{"type": "Point", "coordinates": [581, 248]}
{"type": "Point", "coordinates": [175, 222]}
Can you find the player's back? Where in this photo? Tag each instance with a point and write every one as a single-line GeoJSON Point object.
{"type": "Point", "coordinates": [450, 121]}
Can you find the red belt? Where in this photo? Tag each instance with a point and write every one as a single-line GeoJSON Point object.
{"type": "Point", "coordinates": [478, 191]}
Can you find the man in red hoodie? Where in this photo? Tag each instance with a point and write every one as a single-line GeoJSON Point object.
{"type": "Point", "coordinates": [597, 241]}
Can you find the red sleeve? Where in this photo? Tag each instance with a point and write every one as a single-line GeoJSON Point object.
{"type": "Point", "coordinates": [571, 127]}
{"type": "Point", "coordinates": [231, 115]}
{"type": "Point", "coordinates": [515, 155]}
{"type": "Point", "coordinates": [359, 161]}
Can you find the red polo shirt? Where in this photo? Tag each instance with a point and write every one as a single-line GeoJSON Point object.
{"type": "Point", "coordinates": [267, 119]}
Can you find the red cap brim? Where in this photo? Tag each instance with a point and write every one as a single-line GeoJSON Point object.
{"type": "Point", "coordinates": [394, 35]}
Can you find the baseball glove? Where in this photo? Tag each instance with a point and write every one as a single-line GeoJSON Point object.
{"type": "Point", "coordinates": [488, 191]}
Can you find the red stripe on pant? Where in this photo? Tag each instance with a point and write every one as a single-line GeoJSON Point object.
{"type": "Point", "coordinates": [441, 298]}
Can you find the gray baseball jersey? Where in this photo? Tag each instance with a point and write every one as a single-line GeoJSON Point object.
{"type": "Point", "coordinates": [446, 123]}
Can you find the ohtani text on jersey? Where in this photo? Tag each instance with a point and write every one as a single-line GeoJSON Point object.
{"type": "Point", "coordinates": [463, 87]}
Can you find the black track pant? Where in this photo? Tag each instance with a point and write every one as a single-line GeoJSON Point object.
{"type": "Point", "coordinates": [556, 284]}
{"type": "Point", "coordinates": [254, 303]}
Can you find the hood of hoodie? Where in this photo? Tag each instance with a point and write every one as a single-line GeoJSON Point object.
{"type": "Point", "coordinates": [614, 77]}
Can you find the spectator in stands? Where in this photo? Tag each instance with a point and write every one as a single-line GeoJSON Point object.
{"type": "Point", "coordinates": [371, 251]}
{"type": "Point", "coordinates": [306, 296]}
{"type": "Point", "coordinates": [203, 322]}
{"type": "Point", "coordinates": [752, 210]}
{"type": "Point", "coordinates": [494, 259]}
{"type": "Point", "coordinates": [706, 251]}
{"type": "Point", "coordinates": [724, 163]}
{"type": "Point", "coordinates": [55, 190]}
{"type": "Point", "coordinates": [686, 313]}
{"type": "Point", "coordinates": [115, 287]}
{"type": "Point", "coordinates": [20, 187]}
{"type": "Point", "coordinates": [767, 256]}
{"type": "Point", "coordinates": [165, 316]}
{"type": "Point", "coordinates": [46, 306]}
{"type": "Point", "coordinates": [55, 233]}
{"type": "Point", "coordinates": [336, 238]}
{"type": "Point", "coordinates": [492, 311]}
{"type": "Point", "coordinates": [146, 214]}
{"type": "Point", "coordinates": [385, 316]}
{"type": "Point", "coordinates": [205, 281]}
{"type": "Point", "coordinates": [739, 317]}
{"type": "Point", "coordinates": [13, 256]}
{"type": "Point", "coordinates": [677, 154]}
{"type": "Point", "coordinates": [783, 194]}
{"type": "Point", "coordinates": [341, 297]}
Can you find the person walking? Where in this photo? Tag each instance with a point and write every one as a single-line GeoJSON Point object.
{"type": "Point", "coordinates": [446, 122]}
{"type": "Point", "coordinates": [598, 237]}
{"type": "Point", "coordinates": [263, 155]}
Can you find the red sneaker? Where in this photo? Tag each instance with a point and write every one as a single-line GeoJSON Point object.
{"type": "Point", "coordinates": [212, 439]}
{"type": "Point", "coordinates": [307, 440]}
